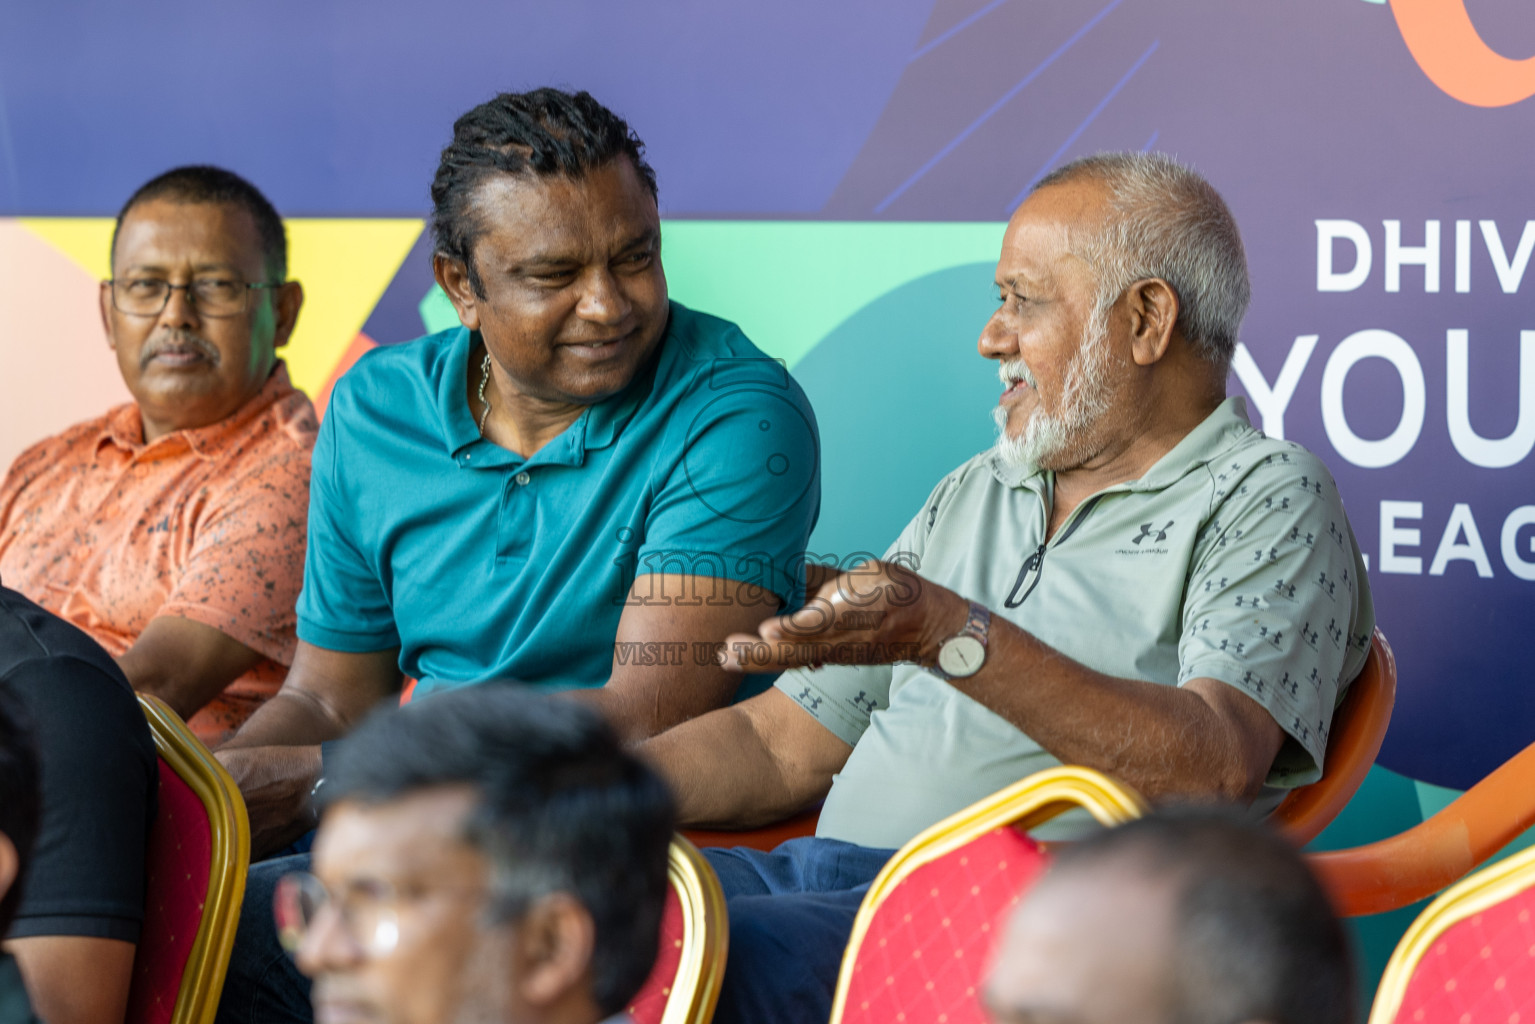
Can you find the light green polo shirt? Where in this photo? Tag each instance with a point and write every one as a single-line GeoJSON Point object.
{"type": "Point", "coordinates": [1231, 559]}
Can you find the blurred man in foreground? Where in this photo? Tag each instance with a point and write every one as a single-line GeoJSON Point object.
{"type": "Point", "coordinates": [19, 799]}
{"type": "Point", "coordinates": [1133, 579]}
{"type": "Point", "coordinates": [81, 905]}
{"type": "Point", "coordinates": [1185, 917]}
{"type": "Point", "coordinates": [172, 529]}
{"type": "Point", "coordinates": [483, 855]}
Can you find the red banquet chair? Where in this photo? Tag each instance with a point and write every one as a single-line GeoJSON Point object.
{"type": "Point", "coordinates": [927, 929]}
{"type": "Point", "coordinates": [684, 985]}
{"type": "Point", "coordinates": [199, 850]}
{"type": "Point", "coordinates": [1469, 958]}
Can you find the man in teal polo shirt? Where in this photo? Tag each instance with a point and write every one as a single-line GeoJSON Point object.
{"type": "Point", "coordinates": [1133, 579]}
{"type": "Point", "coordinates": [584, 488]}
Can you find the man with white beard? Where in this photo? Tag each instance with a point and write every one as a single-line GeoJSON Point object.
{"type": "Point", "coordinates": [1134, 579]}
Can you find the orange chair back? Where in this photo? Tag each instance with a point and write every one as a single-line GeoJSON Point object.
{"type": "Point", "coordinates": [684, 985]}
{"type": "Point", "coordinates": [199, 850]}
{"type": "Point", "coordinates": [1470, 956]}
{"type": "Point", "coordinates": [1415, 864]}
{"type": "Point", "coordinates": [928, 928]}
{"type": "Point", "coordinates": [1358, 729]}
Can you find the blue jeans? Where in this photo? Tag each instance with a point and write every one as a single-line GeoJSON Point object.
{"type": "Point", "coordinates": [791, 912]}
{"type": "Point", "coordinates": [263, 986]}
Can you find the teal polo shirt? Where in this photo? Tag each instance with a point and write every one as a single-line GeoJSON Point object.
{"type": "Point", "coordinates": [480, 564]}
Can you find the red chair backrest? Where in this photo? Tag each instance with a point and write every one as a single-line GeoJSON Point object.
{"type": "Point", "coordinates": [1480, 970]}
{"type": "Point", "coordinates": [179, 860]}
{"type": "Point", "coordinates": [648, 1006]}
{"type": "Point", "coordinates": [684, 984]}
{"type": "Point", "coordinates": [932, 938]}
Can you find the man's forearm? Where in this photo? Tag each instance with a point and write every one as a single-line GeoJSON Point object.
{"type": "Point", "coordinates": [723, 775]}
{"type": "Point", "coordinates": [631, 726]}
{"type": "Point", "coordinates": [75, 979]}
{"type": "Point", "coordinates": [1163, 740]}
{"type": "Point", "coordinates": [290, 719]}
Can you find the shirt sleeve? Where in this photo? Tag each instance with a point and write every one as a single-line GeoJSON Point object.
{"type": "Point", "coordinates": [343, 605]}
{"type": "Point", "coordinates": [246, 563]}
{"type": "Point", "coordinates": [86, 875]}
{"type": "Point", "coordinates": [740, 502]}
{"type": "Point", "coordinates": [844, 698]}
{"type": "Point", "coordinates": [1278, 604]}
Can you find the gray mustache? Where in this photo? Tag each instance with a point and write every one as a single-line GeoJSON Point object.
{"type": "Point", "coordinates": [178, 340]}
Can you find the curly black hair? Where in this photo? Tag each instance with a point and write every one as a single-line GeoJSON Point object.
{"type": "Point", "coordinates": [544, 133]}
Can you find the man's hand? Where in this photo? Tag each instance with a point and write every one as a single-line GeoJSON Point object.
{"type": "Point", "coordinates": [275, 757]}
{"type": "Point", "coordinates": [276, 783]}
{"type": "Point", "coordinates": [873, 614]}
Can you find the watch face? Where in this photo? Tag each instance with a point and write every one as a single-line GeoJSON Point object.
{"type": "Point", "coordinates": [961, 656]}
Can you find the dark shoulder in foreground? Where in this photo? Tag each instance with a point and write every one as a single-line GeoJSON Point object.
{"type": "Point", "coordinates": [29, 633]}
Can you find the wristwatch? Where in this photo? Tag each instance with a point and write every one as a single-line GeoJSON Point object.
{"type": "Point", "coordinates": [964, 653]}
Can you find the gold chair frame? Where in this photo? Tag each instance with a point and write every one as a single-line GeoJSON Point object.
{"type": "Point", "coordinates": [1025, 804]}
{"type": "Point", "coordinates": [1467, 898]}
{"type": "Point", "coordinates": [705, 936]}
{"type": "Point", "coordinates": [202, 981]}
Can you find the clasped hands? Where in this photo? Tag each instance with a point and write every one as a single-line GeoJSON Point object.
{"type": "Point", "coordinates": [873, 614]}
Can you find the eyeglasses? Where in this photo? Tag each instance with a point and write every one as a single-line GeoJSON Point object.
{"type": "Point", "coordinates": [369, 912]}
{"type": "Point", "coordinates": [213, 296]}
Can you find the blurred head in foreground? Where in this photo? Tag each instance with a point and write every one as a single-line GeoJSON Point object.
{"type": "Point", "coordinates": [485, 854]}
{"type": "Point", "coordinates": [19, 810]}
{"type": "Point", "coordinates": [1185, 917]}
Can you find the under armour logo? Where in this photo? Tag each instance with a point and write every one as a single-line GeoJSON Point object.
{"type": "Point", "coordinates": [1147, 529]}
{"type": "Point", "coordinates": [808, 699]}
{"type": "Point", "coordinates": [864, 702]}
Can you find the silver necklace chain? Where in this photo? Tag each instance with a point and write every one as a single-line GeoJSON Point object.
{"type": "Point", "coordinates": [484, 379]}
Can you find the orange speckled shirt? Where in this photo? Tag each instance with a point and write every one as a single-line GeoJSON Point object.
{"type": "Point", "coordinates": [108, 532]}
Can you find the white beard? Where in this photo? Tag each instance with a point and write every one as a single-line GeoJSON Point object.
{"type": "Point", "coordinates": [1059, 440]}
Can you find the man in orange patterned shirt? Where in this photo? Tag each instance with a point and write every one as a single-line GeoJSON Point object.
{"type": "Point", "coordinates": [172, 529]}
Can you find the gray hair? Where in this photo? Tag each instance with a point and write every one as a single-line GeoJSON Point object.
{"type": "Point", "coordinates": [1168, 222]}
{"type": "Point", "coordinates": [1255, 939]}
